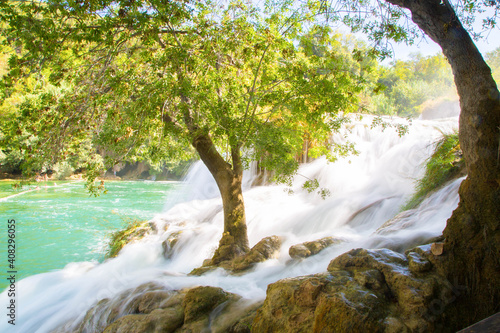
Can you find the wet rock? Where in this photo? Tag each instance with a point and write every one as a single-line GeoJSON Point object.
{"type": "Point", "coordinates": [159, 320]}
{"type": "Point", "coordinates": [169, 244]}
{"type": "Point", "coordinates": [418, 264]}
{"type": "Point", "coordinates": [289, 307]}
{"type": "Point", "coordinates": [371, 279]}
{"type": "Point", "coordinates": [308, 249]}
{"type": "Point", "coordinates": [363, 291]}
{"type": "Point", "coordinates": [200, 301]}
{"type": "Point", "coordinates": [130, 323]}
{"type": "Point", "coordinates": [98, 317]}
{"type": "Point", "coordinates": [202, 270]}
{"type": "Point", "coordinates": [152, 308]}
{"type": "Point", "coordinates": [437, 249]}
{"type": "Point", "coordinates": [401, 221]}
{"type": "Point", "coordinates": [143, 299]}
{"type": "Point", "coordinates": [132, 233]}
{"type": "Point", "coordinates": [237, 317]}
{"type": "Point", "coordinates": [267, 248]}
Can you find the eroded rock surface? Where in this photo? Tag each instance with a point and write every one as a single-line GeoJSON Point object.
{"type": "Point", "coordinates": [267, 248]}
{"type": "Point", "coordinates": [308, 249]}
{"type": "Point", "coordinates": [168, 244]}
{"type": "Point", "coordinates": [363, 291]}
{"type": "Point", "coordinates": [152, 308]}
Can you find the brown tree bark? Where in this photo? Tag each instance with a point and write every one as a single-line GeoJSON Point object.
{"type": "Point", "coordinates": [234, 241]}
{"type": "Point", "coordinates": [472, 245]}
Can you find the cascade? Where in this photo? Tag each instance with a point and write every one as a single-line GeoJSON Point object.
{"type": "Point", "coordinates": [366, 191]}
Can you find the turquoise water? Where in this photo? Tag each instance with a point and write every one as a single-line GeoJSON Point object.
{"type": "Point", "coordinates": [56, 225]}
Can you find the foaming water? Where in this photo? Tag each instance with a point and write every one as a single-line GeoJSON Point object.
{"type": "Point", "coordinates": [367, 190]}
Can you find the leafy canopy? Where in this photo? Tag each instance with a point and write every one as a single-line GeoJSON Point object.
{"type": "Point", "coordinates": [145, 78]}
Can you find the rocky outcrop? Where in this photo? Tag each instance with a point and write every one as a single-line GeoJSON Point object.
{"type": "Point", "coordinates": [135, 231]}
{"type": "Point", "coordinates": [267, 248]}
{"type": "Point", "coordinates": [152, 308]}
{"type": "Point", "coordinates": [143, 300]}
{"type": "Point", "coordinates": [308, 249]}
{"type": "Point", "coordinates": [363, 291]}
{"type": "Point", "coordinates": [401, 221]}
{"type": "Point", "coordinates": [169, 244]}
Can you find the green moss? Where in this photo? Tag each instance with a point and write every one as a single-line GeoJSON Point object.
{"type": "Point", "coordinates": [445, 164]}
{"type": "Point", "coordinates": [133, 231]}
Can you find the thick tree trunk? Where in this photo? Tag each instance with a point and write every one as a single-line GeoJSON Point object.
{"type": "Point", "coordinates": [472, 245]}
{"type": "Point", "coordinates": [234, 241]}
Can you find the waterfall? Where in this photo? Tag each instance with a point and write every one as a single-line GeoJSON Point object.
{"type": "Point", "coordinates": [367, 191]}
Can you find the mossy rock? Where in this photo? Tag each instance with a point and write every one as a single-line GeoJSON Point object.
{"type": "Point", "coordinates": [267, 248]}
{"type": "Point", "coordinates": [200, 301]}
{"type": "Point", "coordinates": [363, 291]}
{"type": "Point", "coordinates": [307, 249]}
{"type": "Point", "coordinates": [168, 244]}
{"type": "Point", "coordinates": [158, 321]}
{"type": "Point", "coordinates": [134, 231]}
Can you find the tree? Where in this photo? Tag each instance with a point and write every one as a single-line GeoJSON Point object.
{"type": "Point", "coordinates": [409, 84]}
{"type": "Point", "coordinates": [472, 233]}
{"type": "Point", "coordinates": [152, 77]}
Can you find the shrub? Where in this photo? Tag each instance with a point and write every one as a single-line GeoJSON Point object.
{"type": "Point", "coordinates": [445, 164]}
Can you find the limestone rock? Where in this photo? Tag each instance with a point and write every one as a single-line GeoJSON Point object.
{"type": "Point", "coordinates": [437, 249]}
{"type": "Point", "coordinates": [308, 249]}
{"type": "Point", "coordinates": [235, 317]}
{"type": "Point", "coordinates": [363, 291]}
{"type": "Point", "coordinates": [202, 270]}
{"type": "Point", "coordinates": [290, 305]}
{"type": "Point", "coordinates": [169, 244]}
{"type": "Point", "coordinates": [132, 233]}
{"type": "Point", "coordinates": [141, 300]}
{"type": "Point", "coordinates": [401, 221]}
{"type": "Point", "coordinates": [159, 320]}
{"type": "Point", "coordinates": [418, 264]}
{"type": "Point", "coordinates": [265, 249]}
{"type": "Point", "coordinates": [152, 308]}
{"type": "Point", "coordinates": [200, 301]}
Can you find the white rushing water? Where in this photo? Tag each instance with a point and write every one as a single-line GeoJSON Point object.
{"type": "Point", "coordinates": [366, 191]}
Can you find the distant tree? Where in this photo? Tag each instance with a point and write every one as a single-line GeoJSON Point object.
{"type": "Point", "coordinates": [407, 84]}
{"type": "Point", "coordinates": [493, 60]}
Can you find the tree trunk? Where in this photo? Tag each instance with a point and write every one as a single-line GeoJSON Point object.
{"type": "Point", "coordinates": [234, 241]}
{"type": "Point", "coordinates": [472, 245]}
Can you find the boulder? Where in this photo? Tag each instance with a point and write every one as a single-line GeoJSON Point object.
{"type": "Point", "coordinates": [363, 291]}
{"type": "Point", "coordinates": [152, 308]}
{"type": "Point", "coordinates": [265, 249]}
{"type": "Point", "coordinates": [142, 300]}
{"type": "Point", "coordinates": [200, 301]}
{"type": "Point", "coordinates": [132, 233]}
{"type": "Point", "coordinates": [169, 244]}
{"type": "Point", "coordinates": [308, 249]}
{"type": "Point", "coordinates": [158, 321]}
{"type": "Point", "coordinates": [403, 220]}
{"type": "Point", "coordinates": [236, 317]}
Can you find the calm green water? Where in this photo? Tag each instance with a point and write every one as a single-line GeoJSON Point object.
{"type": "Point", "coordinates": [56, 225]}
